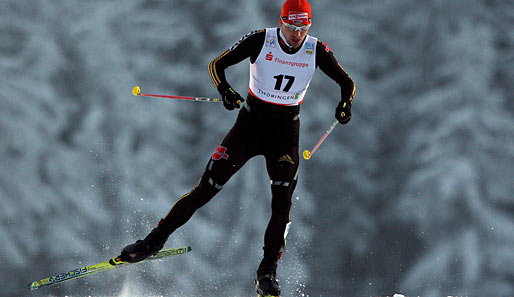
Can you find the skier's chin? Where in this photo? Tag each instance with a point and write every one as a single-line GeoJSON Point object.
{"type": "Point", "coordinates": [295, 43]}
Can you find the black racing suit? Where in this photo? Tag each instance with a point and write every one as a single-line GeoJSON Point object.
{"type": "Point", "coordinates": [261, 128]}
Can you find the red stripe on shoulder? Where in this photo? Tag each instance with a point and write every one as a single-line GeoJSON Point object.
{"type": "Point", "coordinates": [325, 46]}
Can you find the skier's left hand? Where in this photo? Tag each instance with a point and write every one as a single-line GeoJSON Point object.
{"type": "Point", "coordinates": [343, 111]}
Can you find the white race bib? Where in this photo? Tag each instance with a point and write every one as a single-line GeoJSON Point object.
{"type": "Point", "coordinates": [280, 78]}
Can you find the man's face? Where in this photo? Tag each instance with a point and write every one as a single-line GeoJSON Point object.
{"type": "Point", "coordinates": [294, 35]}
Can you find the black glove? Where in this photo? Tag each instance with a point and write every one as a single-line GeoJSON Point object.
{"type": "Point", "coordinates": [231, 99]}
{"type": "Point", "coordinates": [145, 248]}
{"type": "Point", "coordinates": [343, 112]}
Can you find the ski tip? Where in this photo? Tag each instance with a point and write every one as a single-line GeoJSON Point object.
{"type": "Point", "coordinates": [189, 249]}
{"type": "Point", "coordinates": [31, 286]}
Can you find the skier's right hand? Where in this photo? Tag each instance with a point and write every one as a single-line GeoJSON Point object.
{"type": "Point", "coordinates": [231, 99]}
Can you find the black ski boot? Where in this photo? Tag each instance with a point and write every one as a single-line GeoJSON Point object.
{"type": "Point", "coordinates": [145, 248]}
{"type": "Point", "coordinates": [266, 284]}
{"type": "Point", "coordinates": [266, 281]}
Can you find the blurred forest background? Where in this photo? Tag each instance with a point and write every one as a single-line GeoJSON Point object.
{"type": "Point", "coordinates": [415, 195]}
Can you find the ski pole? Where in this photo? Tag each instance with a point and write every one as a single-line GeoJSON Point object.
{"type": "Point", "coordinates": [136, 91]}
{"type": "Point", "coordinates": [306, 154]}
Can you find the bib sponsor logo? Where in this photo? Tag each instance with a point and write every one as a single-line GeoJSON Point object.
{"type": "Point", "coordinates": [291, 63]}
{"type": "Point", "coordinates": [269, 56]}
{"type": "Point", "coordinates": [309, 48]}
{"type": "Point", "coordinates": [270, 95]}
{"type": "Point", "coordinates": [271, 41]}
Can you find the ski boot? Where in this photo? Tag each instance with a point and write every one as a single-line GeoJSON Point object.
{"type": "Point", "coordinates": [267, 285]}
{"type": "Point", "coordinates": [266, 282]}
{"type": "Point", "coordinates": [145, 248]}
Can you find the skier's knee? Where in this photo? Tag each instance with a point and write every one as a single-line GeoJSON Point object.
{"type": "Point", "coordinates": [206, 189]}
{"type": "Point", "coordinates": [281, 198]}
{"type": "Point", "coordinates": [209, 183]}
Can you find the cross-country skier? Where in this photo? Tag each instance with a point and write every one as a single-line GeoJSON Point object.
{"type": "Point", "coordinates": [282, 63]}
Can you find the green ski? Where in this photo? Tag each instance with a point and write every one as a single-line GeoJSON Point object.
{"type": "Point", "coordinates": [100, 267]}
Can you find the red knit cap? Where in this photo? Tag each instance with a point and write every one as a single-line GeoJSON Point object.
{"type": "Point", "coordinates": [296, 12]}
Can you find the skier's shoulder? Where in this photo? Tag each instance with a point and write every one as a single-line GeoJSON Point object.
{"type": "Point", "coordinates": [255, 37]}
{"type": "Point", "coordinates": [322, 47]}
